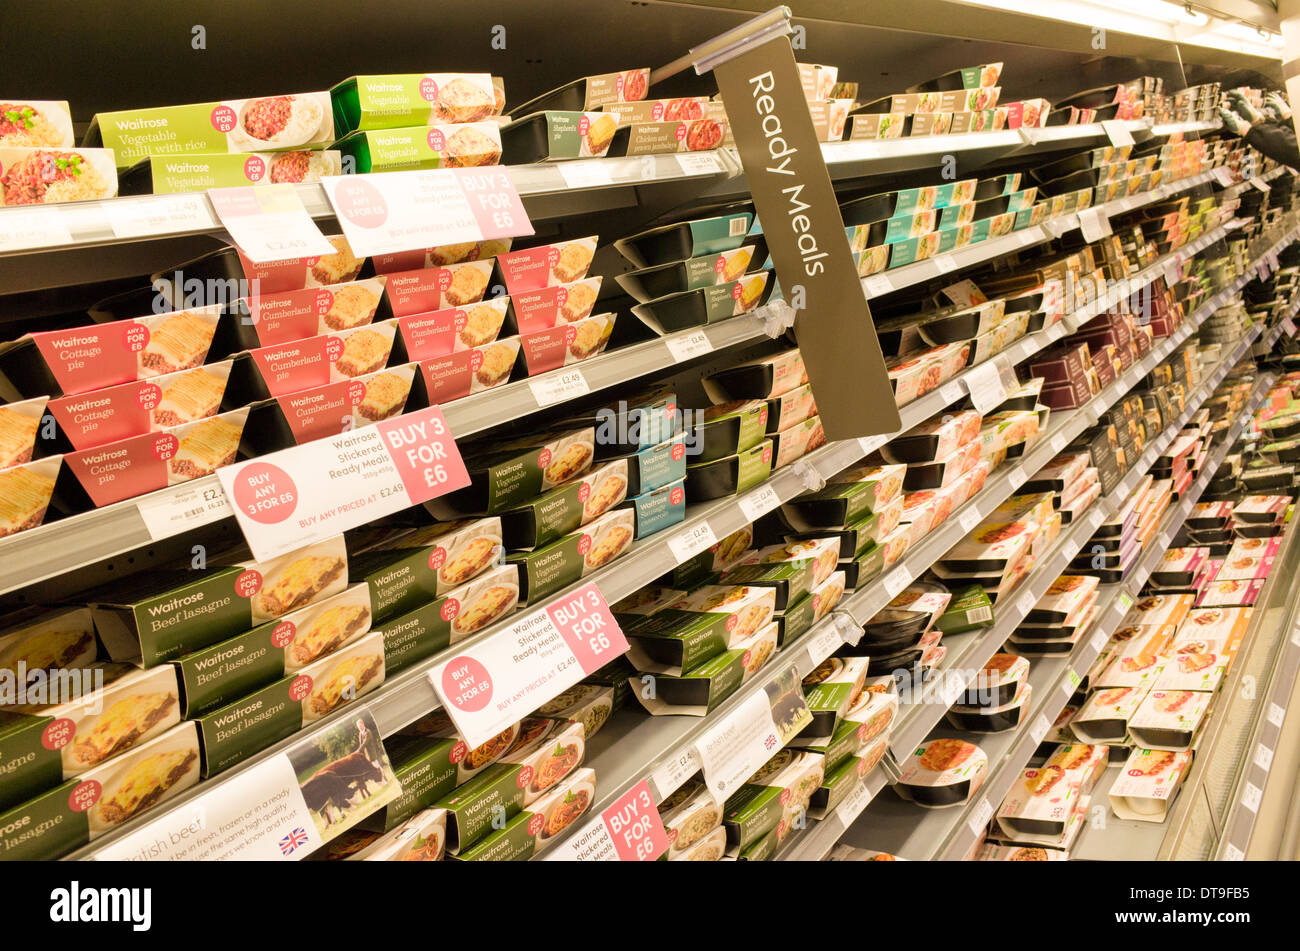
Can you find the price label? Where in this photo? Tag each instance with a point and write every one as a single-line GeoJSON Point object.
{"type": "Point", "coordinates": [269, 223]}
{"type": "Point", "coordinates": [1125, 601]}
{"type": "Point", "coordinates": [1118, 132]}
{"type": "Point", "coordinates": [558, 387]}
{"type": "Point", "coordinates": [161, 214]}
{"type": "Point", "coordinates": [170, 512]}
{"type": "Point", "coordinates": [1263, 757]}
{"type": "Point", "coordinates": [969, 519]}
{"type": "Point", "coordinates": [1288, 326]}
{"type": "Point", "coordinates": [869, 444]}
{"type": "Point", "coordinates": [979, 819]}
{"type": "Point", "coordinates": [499, 680]}
{"type": "Point", "coordinates": [826, 640]}
{"type": "Point", "coordinates": [1028, 236]}
{"type": "Point", "coordinates": [630, 830]}
{"type": "Point", "coordinates": [945, 263]}
{"type": "Point", "coordinates": [984, 383]}
{"type": "Point", "coordinates": [897, 580]}
{"type": "Point", "coordinates": [953, 689]}
{"type": "Point", "coordinates": [854, 804]}
{"type": "Point", "coordinates": [1016, 477]}
{"type": "Point", "coordinates": [1233, 854]}
{"type": "Point", "coordinates": [1059, 226]}
{"type": "Point", "coordinates": [686, 544]}
{"type": "Point", "coordinates": [1275, 715]}
{"type": "Point", "coordinates": [759, 502]}
{"type": "Point", "coordinates": [1059, 442]}
{"type": "Point", "coordinates": [33, 227]}
{"type": "Point", "coordinates": [747, 737]}
{"type": "Point", "coordinates": [699, 163]}
{"type": "Point", "coordinates": [1072, 679]}
{"type": "Point", "coordinates": [950, 392]}
{"type": "Point", "coordinates": [1026, 603]}
{"type": "Point", "coordinates": [1260, 183]}
{"type": "Point", "coordinates": [1251, 795]}
{"type": "Point", "coordinates": [877, 285]}
{"type": "Point", "coordinates": [1039, 729]}
{"type": "Point", "coordinates": [589, 173]}
{"type": "Point", "coordinates": [687, 346]}
{"type": "Point", "coordinates": [668, 777]}
{"type": "Point", "coordinates": [1095, 224]}
{"type": "Point", "coordinates": [1099, 641]}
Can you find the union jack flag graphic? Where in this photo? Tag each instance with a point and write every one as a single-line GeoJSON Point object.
{"type": "Point", "coordinates": [292, 841]}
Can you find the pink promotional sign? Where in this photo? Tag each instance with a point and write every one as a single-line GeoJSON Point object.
{"type": "Point", "coordinates": [527, 663]}
{"type": "Point", "coordinates": [634, 826]}
{"type": "Point", "coordinates": [302, 495]}
{"type": "Point", "coordinates": [388, 212]}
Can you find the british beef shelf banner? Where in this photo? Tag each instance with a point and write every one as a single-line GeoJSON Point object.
{"type": "Point", "coordinates": [801, 220]}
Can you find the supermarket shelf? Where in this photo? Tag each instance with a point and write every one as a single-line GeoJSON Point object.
{"type": "Point", "coordinates": [916, 721]}
{"type": "Point", "coordinates": [89, 537]}
{"type": "Point", "coordinates": [597, 184]}
{"type": "Point", "coordinates": [905, 829]}
{"type": "Point", "coordinates": [1054, 679]}
{"type": "Point", "coordinates": [410, 695]}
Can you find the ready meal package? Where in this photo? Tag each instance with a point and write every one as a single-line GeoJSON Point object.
{"type": "Point", "coordinates": [1148, 783]}
{"type": "Point", "coordinates": [538, 824]}
{"type": "Point", "coordinates": [773, 798]}
{"type": "Point", "coordinates": [469, 762]}
{"type": "Point", "coordinates": [319, 412]}
{"type": "Point", "coordinates": [545, 752]}
{"type": "Point", "coordinates": [315, 361]}
{"type": "Point", "coordinates": [689, 815]}
{"type": "Point", "coordinates": [546, 570]}
{"type": "Point", "coordinates": [46, 640]}
{"type": "Point", "coordinates": [425, 288]}
{"type": "Point", "coordinates": [830, 691]}
{"type": "Point", "coordinates": [45, 744]}
{"type": "Point", "coordinates": [422, 838]}
{"type": "Point", "coordinates": [604, 91]}
{"type": "Point", "coordinates": [566, 344]}
{"type": "Point", "coordinates": [193, 172]}
{"type": "Point", "coordinates": [83, 359]}
{"type": "Point", "coordinates": [705, 305]}
{"type": "Point", "coordinates": [469, 145]}
{"type": "Point", "coordinates": [1104, 717]}
{"type": "Point", "coordinates": [161, 615]}
{"type": "Point", "coordinates": [589, 704]}
{"type": "Point", "coordinates": [455, 551]}
{"type": "Point", "coordinates": [467, 372]}
{"type": "Point", "coordinates": [208, 279]}
{"type": "Point", "coordinates": [232, 733]}
{"type": "Point", "coordinates": [441, 333]}
{"type": "Point", "coordinates": [565, 508]}
{"type": "Point", "coordinates": [1169, 719]}
{"type": "Point", "coordinates": [18, 425]}
{"type": "Point", "coordinates": [698, 691]}
{"type": "Point", "coordinates": [1041, 805]}
{"type": "Point", "coordinates": [942, 772]}
{"type": "Point", "coordinates": [699, 626]}
{"type": "Point", "coordinates": [682, 241]}
{"type": "Point", "coordinates": [35, 123]}
{"type": "Point", "coordinates": [271, 123]}
{"type": "Point", "coordinates": [43, 176]}
{"type": "Point", "coordinates": [103, 798]}
{"type": "Point", "coordinates": [503, 476]}
{"type": "Point", "coordinates": [555, 135]}
{"type": "Point", "coordinates": [660, 281]}
{"type": "Point", "coordinates": [403, 100]}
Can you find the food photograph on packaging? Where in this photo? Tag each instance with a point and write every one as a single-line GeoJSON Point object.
{"type": "Point", "coordinates": [813, 433]}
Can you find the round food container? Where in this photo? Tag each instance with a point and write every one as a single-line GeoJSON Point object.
{"type": "Point", "coordinates": [943, 772]}
{"type": "Point", "coordinates": [997, 719]}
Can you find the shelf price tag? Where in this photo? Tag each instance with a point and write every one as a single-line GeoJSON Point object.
{"type": "Point", "coordinates": [1260, 183]}
{"type": "Point", "coordinates": [398, 211]}
{"type": "Point", "coordinates": [161, 214]}
{"type": "Point", "coordinates": [1072, 679]}
{"type": "Point", "coordinates": [172, 511]}
{"type": "Point", "coordinates": [980, 817]}
{"type": "Point", "coordinates": [759, 502]}
{"type": "Point", "coordinates": [854, 804]}
{"type": "Point", "coordinates": [1263, 757]}
{"type": "Point", "coordinates": [268, 223]}
{"type": "Point", "coordinates": [1095, 224]}
{"type": "Point", "coordinates": [826, 640]}
{"type": "Point", "coordinates": [1288, 325]}
{"type": "Point", "coordinates": [877, 285]}
{"type": "Point", "coordinates": [308, 493]}
{"type": "Point", "coordinates": [699, 163]}
{"type": "Point", "coordinates": [747, 737]}
{"type": "Point", "coordinates": [33, 227]}
{"type": "Point", "coordinates": [944, 263]}
{"type": "Point", "coordinates": [497, 681]}
{"type": "Point", "coordinates": [1039, 729]}
{"type": "Point", "coordinates": [630, 830]}
{"type": "Point", "coordinates": [559, 386]}
{"type": "Point", "coordinates": [589, 173]}
{"type": "Point", "coordinates": [1118, 132]}
{"type": "Point", "coordinates": [687, 346]}
{"type": "Point", "coordinates": [1233, 854]}
{"type": "Point", "coordinates": [969, 519]}
{"type": "Point", "coordinates": [897, 580]}
{"type": "Point", "coordinates": [985, 385]}
{"type": "Point", "coordinates": [1276, 715]}
{"type": "Point", "coordinates": [1251, 796]}
{"type": "Point", "coordinates": [689, 542]}
{"type": "Point", "coordinates": [668, 778]}
{"type": "Point", "coordinates": [950, 392]}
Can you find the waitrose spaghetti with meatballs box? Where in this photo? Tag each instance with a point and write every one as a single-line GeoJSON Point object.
{"type": "Point", "coordinates": [158, 617]}
{"type": "Point", "coordinates": [236, 731]}
{"type": "Point", "coordinates": [268, 124]}
{"type": "Point", "coordinates": [538, 825]}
